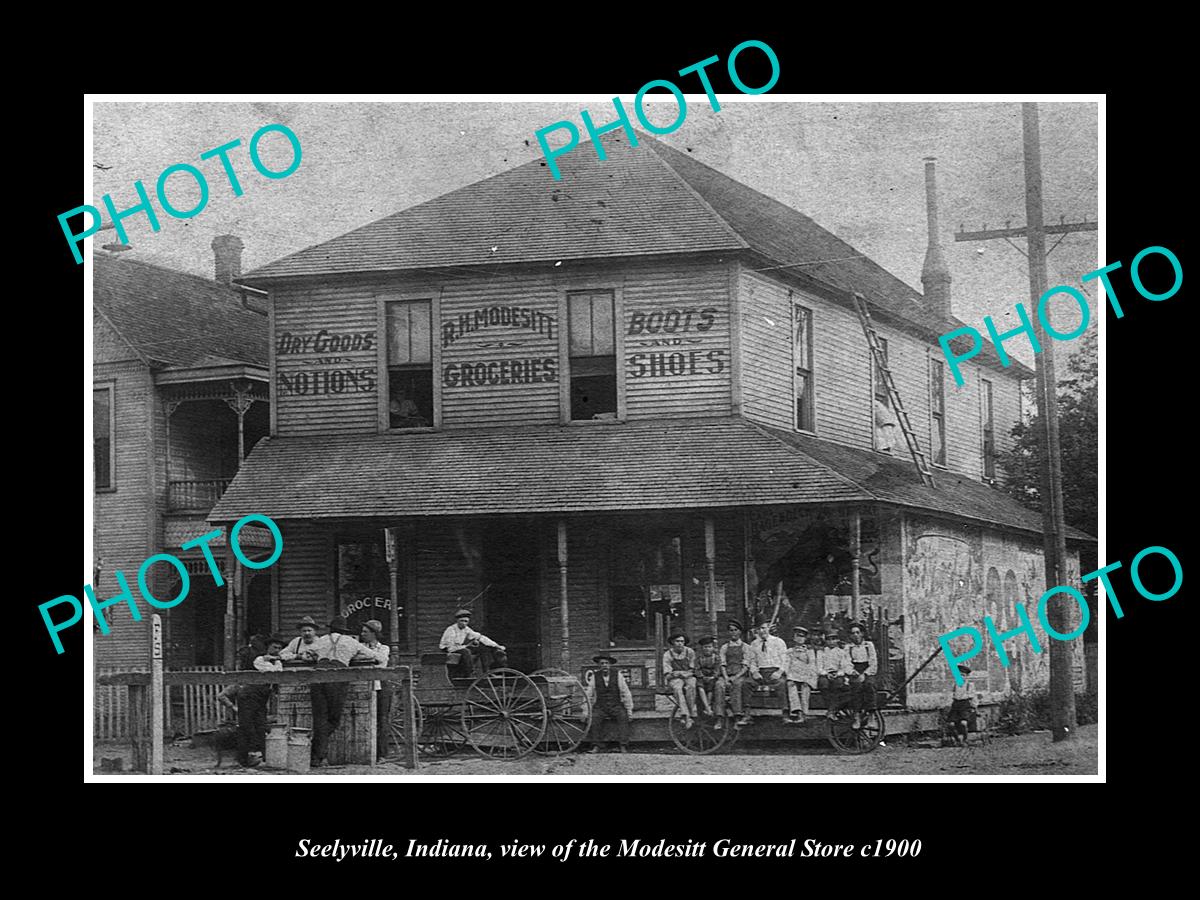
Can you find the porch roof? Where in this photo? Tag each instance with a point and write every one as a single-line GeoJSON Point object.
{"type": "Point", "coordinates": [555, 469]}
{"type": "Point", "coordinates": [665, 464]}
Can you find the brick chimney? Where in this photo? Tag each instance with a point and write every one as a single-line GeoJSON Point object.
{"type": "Point", "coordinates": [227, 257]}
{"type": "Point", "coordinates": [935, 277]}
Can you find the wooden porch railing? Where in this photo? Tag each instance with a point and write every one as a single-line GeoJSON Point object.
{"type": "Point", "coordinates": [195, 494]}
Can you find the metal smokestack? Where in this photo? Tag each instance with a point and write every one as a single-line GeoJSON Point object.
{"type": "Point", "coordinates": [935, 276]}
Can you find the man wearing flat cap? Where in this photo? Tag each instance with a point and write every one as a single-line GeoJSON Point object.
{"type": "Point", "coordinates": [610, 700]}
{"type": "Point", "coordinates": [253, 701]}
{"type": "Point", "coordinates": [462, 644]}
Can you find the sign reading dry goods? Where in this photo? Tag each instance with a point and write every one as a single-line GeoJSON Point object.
{"type": "Point", "coordinates": [322, 372]}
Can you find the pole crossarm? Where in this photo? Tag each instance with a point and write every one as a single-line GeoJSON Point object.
{"type": "Point", "coordinates": [993, 234]}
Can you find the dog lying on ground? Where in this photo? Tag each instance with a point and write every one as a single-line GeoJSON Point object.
{"type": "Point", "coordinates": [224, 739]}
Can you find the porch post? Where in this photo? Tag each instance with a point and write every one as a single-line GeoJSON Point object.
{"type": "Point", "coordinates": [710, 560]}
{"type": "Point", "coordinates": [393, 564]}
{"type": "Point", "coordinates": [855, 553]}
{"type": "Point", "coordinates": [240, 403]}
{"type": "Point", "coordinates": [562, 594]}
{"type": "Point", "coordinates": [230, 563]}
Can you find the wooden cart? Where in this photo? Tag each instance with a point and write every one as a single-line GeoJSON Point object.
{"type": "Point", "coordinates": [501, 714]}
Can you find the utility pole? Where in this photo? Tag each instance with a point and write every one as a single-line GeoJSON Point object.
{"type": "Point", "coordinates": [1062, 687]}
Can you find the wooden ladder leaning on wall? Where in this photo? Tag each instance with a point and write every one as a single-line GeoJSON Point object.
{"type": "Point", "coordinates": [864, 317]}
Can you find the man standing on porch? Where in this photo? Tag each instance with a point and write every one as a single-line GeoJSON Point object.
{"type": "Point", "coordinates": [460, 643]}
{"type": "Point", "coordinates": [610, 699]}
{"type": "Point", "coordinates": [734, 682]}
{"type": "Point", "coordinates": [768, 661]}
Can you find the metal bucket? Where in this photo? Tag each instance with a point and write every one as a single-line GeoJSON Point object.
{"type": "Point", "coordinates": [299, 750]}
{"type": "Point", "coordinates": [277, 747]}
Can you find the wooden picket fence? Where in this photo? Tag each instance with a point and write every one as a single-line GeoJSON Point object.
{"type": "Point", "coordinates": [187, 708]}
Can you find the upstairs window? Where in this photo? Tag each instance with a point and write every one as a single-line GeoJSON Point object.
{"type": "Point", "coordinates": [802, 361]}
{"type": "Point", "coordinates": [102, 430]}
{"type": "Point", "coordinates": [989, 429]}
{"type": "Point", "coordinates": [593, 355]}
{"type": "Point", "coordinates": [410, 364]}
{"type": "Point", "coordinates": [937, 410]}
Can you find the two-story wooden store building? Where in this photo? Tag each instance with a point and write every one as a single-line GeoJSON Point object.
{"type": "Point", "coordinates": [179, 397]}
{"type": "Point", "coordinates": [644, 386]}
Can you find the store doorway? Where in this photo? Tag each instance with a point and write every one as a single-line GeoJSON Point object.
{"type": "Point", "coordinates": [510, 567]}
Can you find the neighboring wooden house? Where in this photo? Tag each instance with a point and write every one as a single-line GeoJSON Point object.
{"type": "Point", "coordinates": [179, 396]}
{"type": "Point", "coordinates": [578, 404]}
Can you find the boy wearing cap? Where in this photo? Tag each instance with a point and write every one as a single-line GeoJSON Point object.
{"type": "Point", "coordinates": [610, 700]}
{"type": "Point", "coordinates": [708, 668]}
{"type": "Point", "coordinates": [801, 675]}
{"type": "Point", "coordinates": [679, 671]}
{"type": "Point", "coordinates": [461, 643]}
{"type": "Point", "coordinates": [734, 682]}
{"type": "Point", "coordinates": [962, 708]}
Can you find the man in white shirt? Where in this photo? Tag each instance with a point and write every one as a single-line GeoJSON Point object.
{"type": "Point", "coordinates": [305, 646]}
{"type": "Point", "coordinates": [831, 672]}
{"type": "Point", "coordinates": [769, 660]}
{"type": "Point", "coordinates": [334, 650]}
{"type": "Point", "coordinates": [369, 638]}
{"type": "Point", "coordinates": [801, 675]}
{"type": "Point", "coordinates": [462, 643]}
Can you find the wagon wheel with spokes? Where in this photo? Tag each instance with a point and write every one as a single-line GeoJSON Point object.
{"type": "Point", "coordinates": [504, 714]}
{"type": "Point", "coordinates": [702, 738]}
{"type": "Point", "coordinates": [442, 733]}
{"type": "Point", "coordinates": [398, 729]}
{"type": "Point", "coordinates": [568, 709]}
{"type": "Point", "coordinates": [848, 739]}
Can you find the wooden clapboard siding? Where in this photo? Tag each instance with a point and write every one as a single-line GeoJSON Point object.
{"type": "Point", "coordinates": [964, 438]}
{"type": "Point", "coordinates": [841, 366]}
{"type": "Point", "coordinates": [305, 575]}
{"type": "Point", "coordinates": [123, 517]}
{"type": "Point", "coordinates": [587, 599]}
{"type": "Point", "coordinates": [498, 404]}
{"type": "Point", "coordinates": [344, 309]}
{"type": "Point", "coordinates": [696, 366]}
{"type": "Point", "coordinates": [1006, 411]}
{"type": "Point", "coordinates": [842, 372]}
{"type": "Point", "coordinates": [697, 363]}
{"type": "Point", "coordinates": [447, 569]}
{"type": "Point", "coordinates": [766, 350]}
